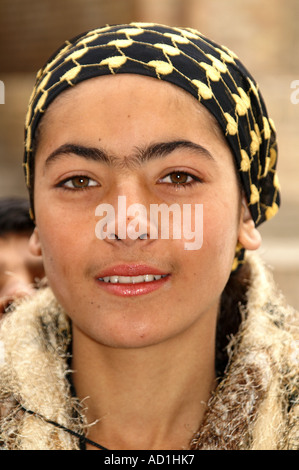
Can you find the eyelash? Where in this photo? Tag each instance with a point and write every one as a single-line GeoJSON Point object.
{"type": "Point", "coordinates": [63, 186]}
{"type": "Point", "coordinates": [195, 179]}
{"type": "Point", "coordinates": [185, 185]}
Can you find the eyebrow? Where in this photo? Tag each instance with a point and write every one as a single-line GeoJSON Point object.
{"type": "Point", "coordinates": [141, 155]}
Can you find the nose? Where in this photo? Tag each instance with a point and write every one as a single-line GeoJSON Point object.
{"type": "Point", "coordinates": [127, 224]}
{"type": "Point", "coordinates": [134, 231]}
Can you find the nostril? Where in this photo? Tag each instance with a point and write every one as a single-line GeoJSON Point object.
{"type": "Point", "coordinates": [143, 236]}
{"type": "Point", "coordinates": [113, 236]}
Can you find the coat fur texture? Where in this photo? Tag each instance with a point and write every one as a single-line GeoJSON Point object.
{"type": "Point", "coordinates": [255, 406]}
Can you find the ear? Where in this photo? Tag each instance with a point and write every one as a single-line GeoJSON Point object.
{"type": "Point", "coordinates": [249, 236]}
{"type": "Point", "coordinates": [34, 243]}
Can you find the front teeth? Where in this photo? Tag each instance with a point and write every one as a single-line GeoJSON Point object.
{"type": "Point", "coordinates": [131, 279]}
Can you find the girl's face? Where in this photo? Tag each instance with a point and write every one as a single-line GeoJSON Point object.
{"type": "Point", "coordinates": [151, 142]}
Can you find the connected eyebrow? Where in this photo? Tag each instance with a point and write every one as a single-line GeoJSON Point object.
{"type": "Point", "coordinates": [89, 153]}
{"type": "Point", "coordinates": [142, 155]}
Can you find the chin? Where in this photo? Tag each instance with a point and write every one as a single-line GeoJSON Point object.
{"type": "Point", "coordinates": [120, 334]}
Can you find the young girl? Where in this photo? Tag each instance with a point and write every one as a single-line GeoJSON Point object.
{"type": "Point", "coordinates": [141, 341]}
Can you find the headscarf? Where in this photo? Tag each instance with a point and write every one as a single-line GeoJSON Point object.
{"type": "Point", "coordinates": [184, 57]}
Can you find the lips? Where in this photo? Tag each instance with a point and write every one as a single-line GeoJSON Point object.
{"type": "Point", "coordinates": [130, 270]}
{"type": "Point", "coordinates": [130, 280]}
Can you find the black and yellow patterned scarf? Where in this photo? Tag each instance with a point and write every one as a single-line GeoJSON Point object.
{"type": "Point", "coordinates": [211, 73]}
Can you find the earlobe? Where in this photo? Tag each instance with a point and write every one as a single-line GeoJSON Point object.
{"type": "Point", "coordinates": [249, 236]}
{"type": "Point", "coordinates": [34, 243]}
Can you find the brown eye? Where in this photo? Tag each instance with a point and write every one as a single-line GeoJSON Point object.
{"type": "Point", "coordinates": [78, 182]}
{"type": "Point", "coordinates": [179, 178]}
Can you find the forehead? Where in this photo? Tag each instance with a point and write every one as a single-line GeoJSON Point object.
{"type": "Point", "coordinates": [137, 90]}
{"type": "Point", "coordinates": [123, 84]}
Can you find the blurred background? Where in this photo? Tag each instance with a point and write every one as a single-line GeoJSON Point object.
{"type": "Point", "coordinates": [264, 34]}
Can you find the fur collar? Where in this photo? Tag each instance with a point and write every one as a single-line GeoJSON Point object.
{"type": "Point", "coordinates": [255, 406]}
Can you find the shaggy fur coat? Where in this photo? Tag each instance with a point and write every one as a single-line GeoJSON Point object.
{"type": "Point", "coordinates": [255, 406]}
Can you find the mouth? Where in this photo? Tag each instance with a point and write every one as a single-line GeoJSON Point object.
{"type": "Point", "coordinates": [131, 280]}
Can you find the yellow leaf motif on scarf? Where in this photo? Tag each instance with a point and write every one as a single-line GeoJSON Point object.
{"type": "Point", "coordinates": [271, 211]}
{"type": "Point", "coordinates": [170, 50]}
{"type": "Point", "coordinates": [71, 74]}
{"type": "Point", "coordinates": [163, 68]}
{"type": "Point", "coordinates": [276, 182]}
{"type": "Point", "coordinates": [267, 130]}
{"type": "Point", "coordinates": [143, 25]}
{"type": "Point", "coordinates": [87, 39]}
{"type": "Point", "coordinates": [253, 87]}
{"type": "Point", "coordinates": [258, 133]}
{"type": "Point", "coordinates": [217, 64]}
{"type": "Point", "coordinates": [255, 145]}
{"type": "Point", "coordinates": [114, 62]}
{"type": "Point", "coordinates": [245, 161]}
{"type": "Point", "coordinates": [39, 73]}
{"type": "Point", "coordinates": [245, 98]}
{"type": "Point", "coordinates": [238, 249]}
{"type": "Point", "coordinates": [28, 116]}
{"type": "Point", "coordinates": [189, 34]}
{"type": "Point", "coordinates": [273, 157]}
{"type": "Point", "coordinates": [28, 139]}
{"type": "Point", "coordinates": [77, 54]}
{"type": "Point", "coordinates": [177, 38]}
{"type": "Point", "coordinates": [211, 72]}
{"type": "Point", "coordinates": [232, 126]}
{"type": "Point", "coordinates": [26, 168]}
{"type": "Point", "coordinates": [241, 107]}
{"type": "Point", "coordinates": [121, 42]}
{"type": "Point", "coordinates": [272, 124]}
{"type": "Point", "coordinates": [243, 102]}
{"type": "Point", "coordinates": [41, 101]}
{"type": "Point", "coordinates": [267, 165]}
{"type": "Point", "coordinates": [131, 31]}
{"type": "Point", "coordinates": [33, 95]}
{"type": "Point", "coordinates": [203, 90]}
{"type": "Point", "coordinates": [224, 56]}
{"type": "Point", "coordinates": [235, 263]}
{"type": "Point", "coordinates": [255, 197]}
{"type": "Point", "coordinates": [43, 83]}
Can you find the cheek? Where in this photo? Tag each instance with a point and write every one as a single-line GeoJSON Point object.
{"type": "Point", "coordinates": [220, 232]}
{"type": "Point", "coordinates": [61, 243]}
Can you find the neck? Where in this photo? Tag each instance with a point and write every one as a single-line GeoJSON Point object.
{"type": "Point", "coordinates": [145, 398]}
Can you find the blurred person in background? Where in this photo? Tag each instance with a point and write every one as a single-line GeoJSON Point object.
{"type": "Point", "coordinates": [20, 271]}
{"type": "Point", "coordinates": [139, 343]}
